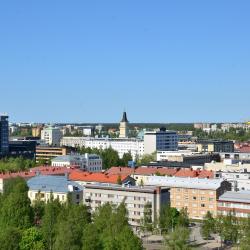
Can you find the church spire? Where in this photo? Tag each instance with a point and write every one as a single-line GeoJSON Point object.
{"type": "Point", "coordinates": [124, 117]}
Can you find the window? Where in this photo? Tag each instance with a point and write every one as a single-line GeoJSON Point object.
{"type": "Point", "coordinates": [77, 196]}
{"type": "Point", "coordinates": [203, 205]}
{"type": "Point", "coordinates": [194, 198]}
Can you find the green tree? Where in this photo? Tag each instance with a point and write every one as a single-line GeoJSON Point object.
{"type": "Point", "coordinates": [91, 238]}
{"type": "Point", "coordinates": [146, 159]}
{"type": "Point", "coordinates": [9, 238]}
{"type": "Point", "coordinates": [49, 220]}
{"type": "Point", "coordinates": [208, 226]}
{"type": "Point", "coordinates": [70, 226]}
{"type": "Point", "coordinates": [183, 220]}
{"type": "Point", "coordinates": [126, 158]}
{"type": "Point", "coordinates": [16, 210]}
{"type": "Point", "coordinates": [146, 222]}
{"type": "Point", "coordinates": [32, 239]}
{"type": "Point", "coordinates": [168, 218]}
{"type": "Point", "coordinates": [178, 239]}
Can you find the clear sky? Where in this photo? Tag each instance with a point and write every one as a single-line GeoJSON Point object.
{"type": "Point", "coordinates": [162, 60]}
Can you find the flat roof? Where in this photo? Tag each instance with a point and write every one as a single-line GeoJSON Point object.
{"type": "Point", "coordinates": [240, 196]}
{"type": "Point", "coordinates": [184, 182]}
{"type": "Point", "coordinates": [140, 189]}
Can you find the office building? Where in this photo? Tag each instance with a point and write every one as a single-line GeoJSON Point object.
{"type": "Point", "coordinates": [45, 188]}
{"type": "Point", "coordinates": [86, 162]}
{"type": "Point", "coordinates": [209, 146]}
{"type": "Point", "coordinates": [162, 140]}
{"type": "Point", "coordinates": [46, 154]}
{"type": "Point", "coordinates": [4, 135]}
{"type": "Point", "coordinates": [52, 136]}
{"type": "Point", "coordinates": [124, 126]}
{"type": "Point", "coordinates": [135, 198]}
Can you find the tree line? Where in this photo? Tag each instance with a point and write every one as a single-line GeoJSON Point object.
{"type": "Point", "coordinates": [16, 164]}
{"type": "Point", "coordinates": [57, 226]}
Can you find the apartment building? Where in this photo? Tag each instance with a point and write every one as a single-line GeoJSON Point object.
{"type": "Point", "coordinates": [134, 198]}
{"type": "Point", "coordinates": [237, 203]}
{"type": "Point", "coordinates": [121, 145]}
{"type": "Point", "coordinates": [4, 135]}
{"type": "Point", "coordinates": [58, 187]}
{"type": "Point", "coordinates": [87, 162]}
{"type": "Point", "coordinates": [197, 195]}
{"type": "Point", "coordinates": [45, 154]}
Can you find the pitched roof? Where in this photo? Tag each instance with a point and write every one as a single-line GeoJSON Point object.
{"type": "Point", "coordinates": [155, 170]}
{"type": "Point", "coordinates": [120, 170]}
{"type": "Point", "coordinates": [78, 175]}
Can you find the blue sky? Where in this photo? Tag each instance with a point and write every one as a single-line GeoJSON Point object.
{"type": "Point", "coordinates": [163, 61]}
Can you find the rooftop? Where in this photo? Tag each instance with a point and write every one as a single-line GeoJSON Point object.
{"type": "Point", "coordinates": [63, 158]}
{"type": "Point", "coordinates": [78, 175]}
{"type": "Point", "coordinates": [195, 183]}
{"type": "Point", "coordinates": [58, 184]}
{"type": "Point", "coordinates": [240, 196]}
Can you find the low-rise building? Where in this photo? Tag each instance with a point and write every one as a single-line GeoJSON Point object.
{"type": "Point", "coordinates": [198, 196]}
{"type": "Point", "coordinates": [135, 198]}
{"type": "Point", "coordinates": [236, 203]}
{"type": "Point", "coordinates": [58, 187]}
{"type": "Point", "coordinates": [86, 162]}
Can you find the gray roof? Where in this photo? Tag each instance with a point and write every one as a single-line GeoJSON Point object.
{"type": "Point", "coordinates": [183, 182]}
{"type": "Point", "coordinates": [58, 184]}
{"type": "Point", "coordinates": [63, 158]}
{"type": "Point", "coordinates": [240, 196]}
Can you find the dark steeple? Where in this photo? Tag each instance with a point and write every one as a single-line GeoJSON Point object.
{"type": "Point", "coordinates": [124, 117]}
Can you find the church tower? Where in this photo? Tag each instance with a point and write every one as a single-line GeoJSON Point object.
{"type": "Point", "coordinates": [124, 126]}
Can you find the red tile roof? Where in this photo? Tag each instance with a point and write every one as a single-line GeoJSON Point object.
{"type": "Point", "coordinates": [78, 175]}
{"type": "Point", "coordinates": [179, 172]}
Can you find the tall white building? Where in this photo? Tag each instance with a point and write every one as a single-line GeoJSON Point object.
{"type": "Point", "coordinates": [121, 145]}
{"type": "Point", "coordinates": [87, 162]}
{"type": "Point", "coordinates": [162, 140]}
{"type": "Point", "coordinates": [52, 136]}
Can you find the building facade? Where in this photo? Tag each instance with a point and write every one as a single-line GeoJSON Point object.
{"type": "Point", "coordinates": [215, 146]}
{"type": "Point", "coordinates": [198, 196]}
{"type": "Point", "coordinates": [4, 135]}
{"type": "Point", "coordinates": [135, 198]}
{"type": "Point", "coordinates": [162, 140]}
{"type": "Point", "coordinates": [236, 203]}
{"type": "Point", "coordinates": [47, 187]}
{"type": "Point", "coordinates": [121, 145]}
{"type": "Point", "coordinates": [87, 162]}
{"type": "Point", "coordinates": [45, 154]}
{"type": "Point", "coordinates": [52, 136]}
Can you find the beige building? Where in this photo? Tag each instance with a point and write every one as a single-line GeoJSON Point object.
{"type": "Point", "coordinates": [58, 187]}
{"type": "Point", "coordinates": [198, 196]}
{"type": "Point", "coordinates": [124, 126]}
{"type": "Point", "coordinates": [47, 153]}
{"type": "Point", "coordinates": [36, 131]}
{"type": "Point", "coordinates": [134, 198]}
